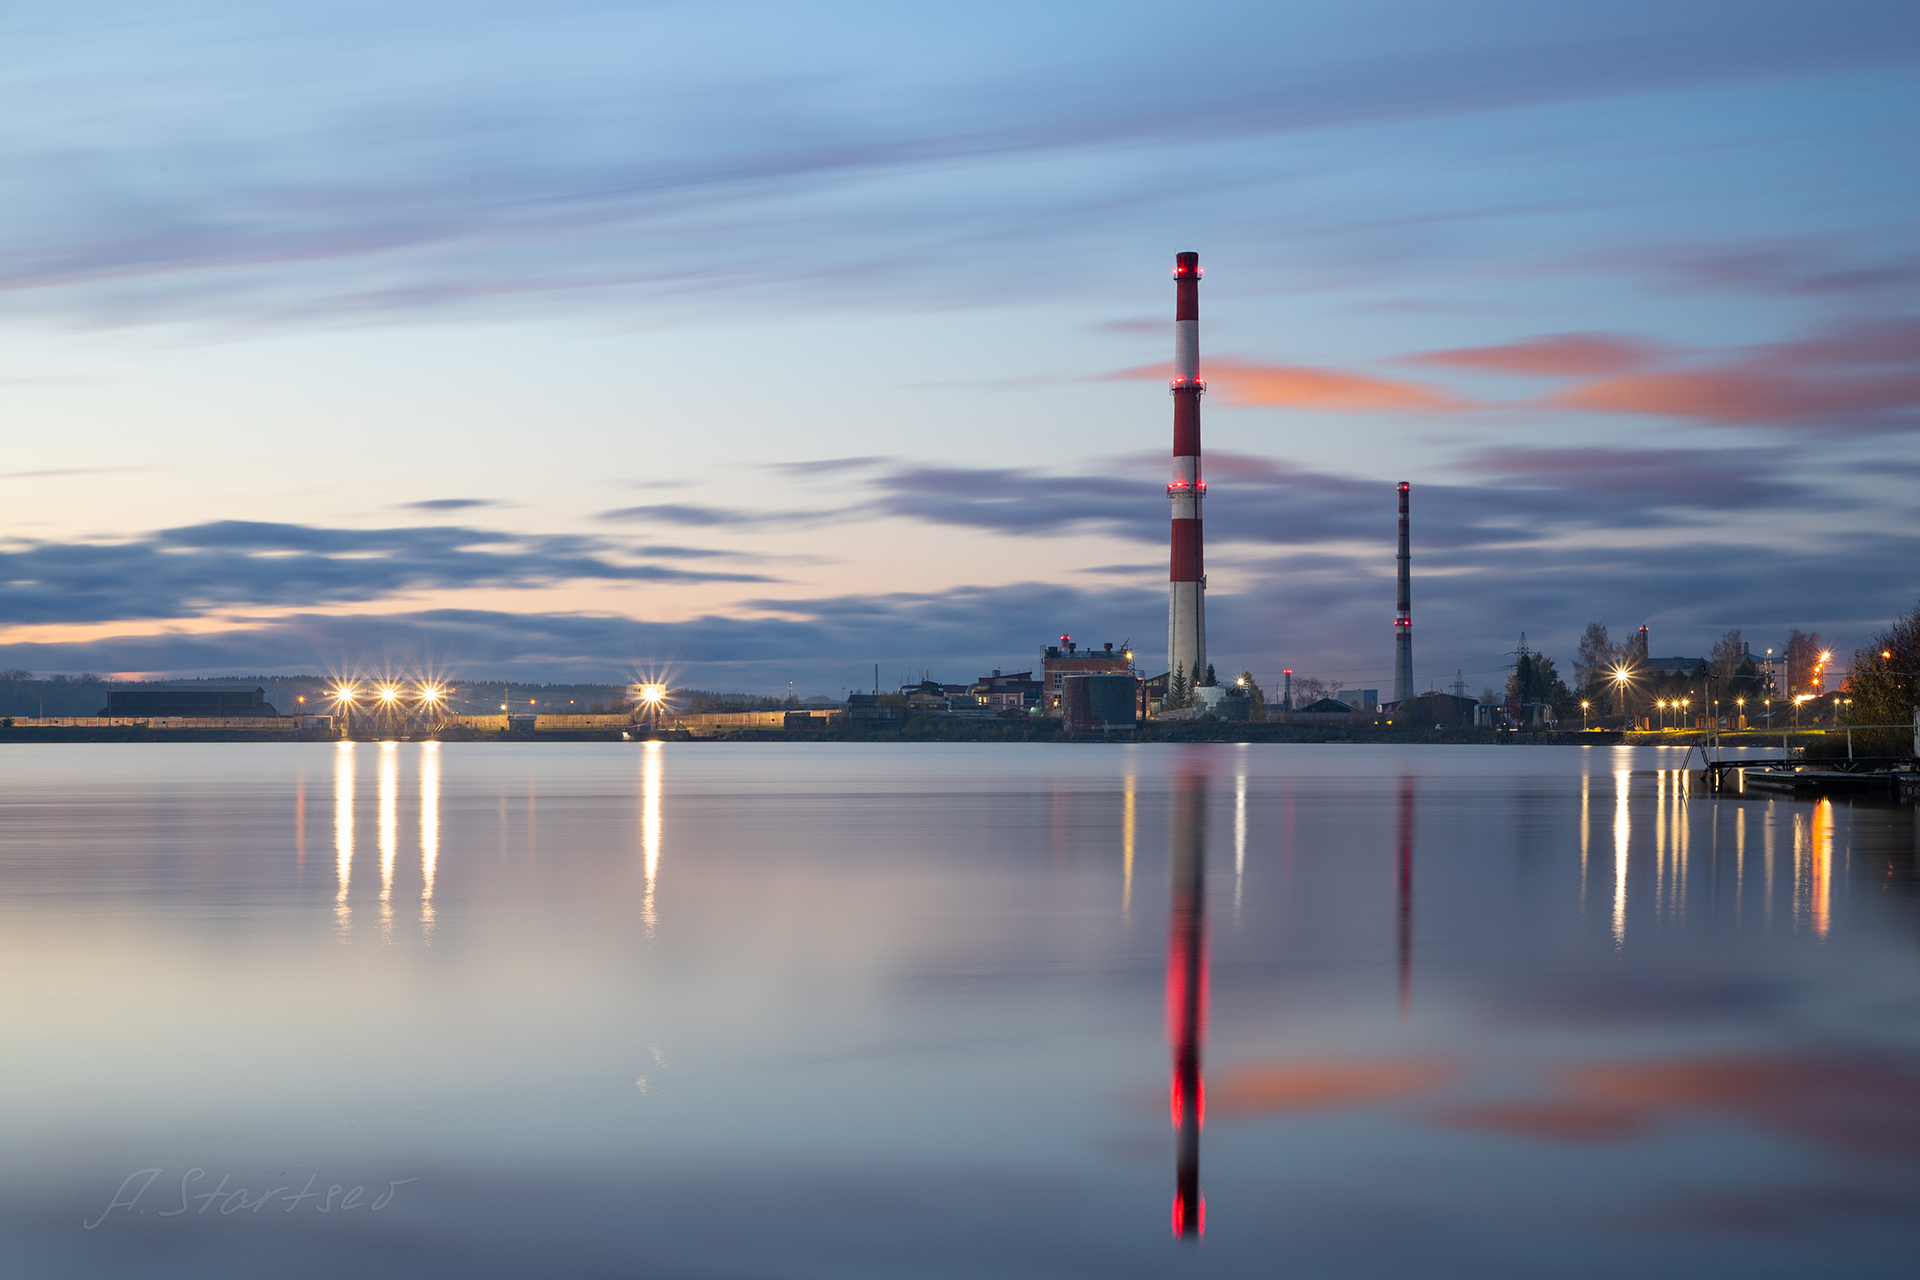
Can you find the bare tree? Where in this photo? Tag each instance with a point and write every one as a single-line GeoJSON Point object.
{"type": "Point", "coordinates": [1803, 655]}
{"type": "Point", "coordinates": [1728, 653]}
{"type": "Point", "coordinates": [1308, 690]}
{"type": "Point", "coordinates": [1594, 657]}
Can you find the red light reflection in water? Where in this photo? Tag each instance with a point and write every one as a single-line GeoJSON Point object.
{"type": "Point", "coordinates": [1405, 843]}
{"type": "Point", "coordinates": [1187, 998]}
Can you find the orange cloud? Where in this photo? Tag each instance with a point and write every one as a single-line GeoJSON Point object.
{"type": "Point", "coordinates": [1564, 355]}
{"type": "Point", "coordinates": [1750, 396]}
{"type": "Point", "coordinates": [1315, 1086]}
{"type": "Point", "coordinates": [1243, 382]}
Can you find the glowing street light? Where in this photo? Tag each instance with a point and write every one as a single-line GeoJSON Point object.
{"type": "Point", "coordinates": [1583, 713]}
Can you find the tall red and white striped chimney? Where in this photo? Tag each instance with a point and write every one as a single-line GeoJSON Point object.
{"type": "Point", "coordinates": [1187, 578]}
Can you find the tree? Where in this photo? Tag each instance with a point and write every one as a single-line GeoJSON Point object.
{"type": "Point", "coordinates": [1178, 692]}
{"type": "Point", "coordinates": [1729, 651]}
{"type": "Point", "coordinates": [1210, 682]}
{"type": "Point", "coordinates": [1595, 656]}
{"type": "Point", "coordinates": [1535, 679]}
{"type": "Point", "coordinates": [1803, 656]}
{"type": "Point", "coordinates": [1257, 710]}
{"type": "Point", "coordinates": [1307, 690]}
{"type": "Point", "coordinates": [1885, 683]}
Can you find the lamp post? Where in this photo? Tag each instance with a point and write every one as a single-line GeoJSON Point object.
{"type": "Point", "coordinates": [1583, 715]}
{"type": "Point", "coordinates": [1769, 714]}
{"type": "Point", "coordinates": [1661, 705]}
{"type": "Point", "coordinates": [1741, 711]}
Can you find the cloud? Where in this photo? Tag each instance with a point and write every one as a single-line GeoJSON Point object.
{"type": "Point", "coordinates": [1864, 376]}
{"type": "Point", "coordinates": [678, 513]}
{"type": "Point", "coordinates": [818, 151]}
{"type": "Point", "coordinates": [61, 472]}
{"type": "Point", "coordinates": [1249, 383]}
{"type": "Point", "coordinates": [450, 504]}
{"type": "Point", "coordinates": [1723, 480]}
{"type": "Point", "coordinates": [185, 572]}
{"type": "Point", "coordinates": [1555, 355]}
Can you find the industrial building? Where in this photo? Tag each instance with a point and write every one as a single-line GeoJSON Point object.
{"type": "Point", "coordinates": [1018, 691]}
{"type": "Point", "coordinates": [1092, 703]}
{"type": "Point", "coordinates": [199, 703]}
{"type": "Point", "coordinates": [1065, 659]}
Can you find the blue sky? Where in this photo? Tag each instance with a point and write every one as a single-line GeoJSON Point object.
{"type": "Point", "coordinates": [771, 342]}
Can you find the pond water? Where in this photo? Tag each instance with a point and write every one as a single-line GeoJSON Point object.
{"type": "Point", "coordinates": [797, 1010]}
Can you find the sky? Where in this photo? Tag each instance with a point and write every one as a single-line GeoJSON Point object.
{"type": "Point", "coordinates": [744, 344]}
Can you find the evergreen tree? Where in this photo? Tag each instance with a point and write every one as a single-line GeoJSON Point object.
{"type": "Point", "coordinates": [1210, 680]}
{"type": "Point", "coordinates": [1177, 692]}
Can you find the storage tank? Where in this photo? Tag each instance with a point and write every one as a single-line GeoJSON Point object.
{"type": "Point", "coordinates": [1099, 703]}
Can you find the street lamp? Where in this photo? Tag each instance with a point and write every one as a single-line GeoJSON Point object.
{"type": "Point", "coordinates": [1662, 705]}
{"type": "Point", "coordinates": [1583, 713]}
{"type": "Point", "coordinates": [1741, 703]}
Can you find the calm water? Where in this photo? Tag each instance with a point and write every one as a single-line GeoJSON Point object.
{"type": "Point", "coordinates": [817, 1010]}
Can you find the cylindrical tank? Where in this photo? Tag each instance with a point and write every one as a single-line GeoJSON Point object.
{"type": "Point", "coordinates": [1092, 703]}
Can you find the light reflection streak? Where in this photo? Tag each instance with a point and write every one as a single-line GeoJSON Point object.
{"type": "Point", "coordinates": [1799, 871]}
{"type": "Point", "coordinates": [1622, 832]}
{"type": "Point", "coordinates": [1772, 816]}
{"type": "Point", "coordinates": [389, 831]}
{"type": "Point", "coordinates": [1239, 839]}
{"type": "Point", "coordinates": [1126, 855]}
{"type": "Point", "coordinates": [1586, 833]}
{"type": "Point", "coordinates": [1677, 863]}
{"type": "Point", "coordinates": [1659, 842]}
{"type": "Point", "coordinates": [299, 825]}
{"type": "Point", "coordinates": [429, 832]}
{"type": "Point", "coordinates": [650, 827]}
{"type": "Point", "coordinates": [1739, 861]}
{"type": "Point", "coordinates": [1820, 869]}
{"type": "Point", "coordinates": [343, 835]}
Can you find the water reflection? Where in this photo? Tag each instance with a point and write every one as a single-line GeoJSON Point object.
{"type": "Point", "coordinates": [1622, 836]}
{"type": "Point", "coordinates": [1820, 867]}
{"type": "Point", "coordinates": [389, 832]}
{"type": "Point", "coordinates": [1126, 855]}
{"type": "Point", "coordinates": [1403, 843]}
{"type": "Point", "coordinates": [429, 832]}
{"type": "Point", "coordinates": [650, 826]}
{"type": "Point", "coordinates": [1187, 997]}
{"type": "Point", "coordinates": [1239, 836]}
{"type": "Point", "coordinates": [343, 836]}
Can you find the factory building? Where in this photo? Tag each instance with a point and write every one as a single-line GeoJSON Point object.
{"type": "Point", "coordinates": [1016, 692]}
{"type": "Point", "coordinates": [1065, 659]}
{"type": "Point", "coordinates": [200, 702]}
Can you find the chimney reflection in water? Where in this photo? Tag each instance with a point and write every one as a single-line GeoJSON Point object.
{"type": "Point", "coordinates": [1404, 842]}
{"type": "Point", "coordinates": [1187, 997]}
{"type": "Point", "coordinates": [343, 835]}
